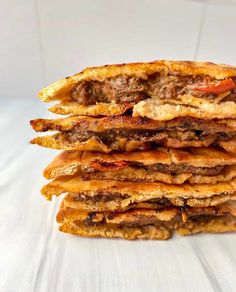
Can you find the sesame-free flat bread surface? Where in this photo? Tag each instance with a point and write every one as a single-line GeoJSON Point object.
{"type": "Point", "coordinates": [99, 109]}
{"type": "Point", "coordinates": [136, 191]}
{"type": "Point", "coordinates": [139, 175]}
{"type": "Point", "coordinates": [61, 89]}
{"type": "Point", "coordinates": [219, 224]}
{"type": "Point", "coordinates": [70, 162]}
{"type": "Point", "coordinates": [124, 133]}
{"type": "Point", "coordinates": [140, 217]}
{"type": "Point", "coordinates": [116, 202]}
{"type": "Point", "coordinates": [130, 123]}
{"type": "Point", "coordinates": [153, 109]}
{"type": "Point", "coordinates": [130, 233]}
{"type": "Point", "coordinates": [118, 165]}
{"type": "Point", "coordinates": [148, 223]}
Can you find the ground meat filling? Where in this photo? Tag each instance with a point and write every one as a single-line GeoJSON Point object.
{"type": "Point", "coordinates": [101, 197]}
{"type": "Point", "coordinates": [164, 168]}
{"type": "Point", "coordinates": [123, 88]}
{"type": "Point", "coordinates": [176, 222]}
{"type": "Point", "coordinates": [110, 136]}
{"type": "Point", "coordinates": [106, 197]}
{"type": "Point", "coordinates": [139, 222]}
{"type": "Point", "coordinates": [177, 169]}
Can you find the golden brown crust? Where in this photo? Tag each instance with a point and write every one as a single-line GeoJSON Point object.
{"type": "Point", "coordinates": [120, 205]}
{"type": "Point", "coordinates": [219, 224]}
{"type": "Point", "coordinates": [70, 162]}
{"type": "Point", "coordinates": [138, 223]}
{"type": "Point", "coordinates": [135, 216]}
{"type": "Point", "coordinates": [91, 206]}
{"type": "Point", "coordinates": [141, 217]}
{"type": "Point", "coordinates": [215, 225]}
{"type": "Point", "coordinates": [99, 109]}
{"type": "Point", "coordinates": [61, 89]}
{"type": "Point", "coordinates": [130, 123]}
{"type": "Point", "coordinates": [229, 145]}
{"type": "Point", "coordinates": [227, 174]}
{"type": "Point", "coordinates": [61, 142]}
{"type": "Point", "coordinates": [137, 191]}
{"type": "Point", "coordinates": [130, 233]}
{"type": "Point", "coordinates": [58, 141]}
{"type": "Point", "coordinates": [138, 175]}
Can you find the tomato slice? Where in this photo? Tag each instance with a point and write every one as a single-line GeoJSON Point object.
{"type": "Point", "coordinates": [215, 88]}
{"type": "Point", "coordinates": [109, 166]}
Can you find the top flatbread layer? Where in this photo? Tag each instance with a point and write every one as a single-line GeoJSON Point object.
{"type": "Point", "coordinates": [61, 89]}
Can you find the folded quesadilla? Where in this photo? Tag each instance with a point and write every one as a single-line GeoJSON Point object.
{"type": "Point", "coordinates": [148, 223]}
{"type": "Point", "coordinates": [171, 166]}
{"type": "Point", "coordinates": [113, 89]}
{"type": "Point", "coordinates": [125, 133]}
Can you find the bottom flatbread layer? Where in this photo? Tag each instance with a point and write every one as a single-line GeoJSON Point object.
{"type": "Point", "coordinates": [148, 223]}
{"type": "Point", "coordinates": [213, 225]}
{"type": "Point", "coordinates": [145, 232]}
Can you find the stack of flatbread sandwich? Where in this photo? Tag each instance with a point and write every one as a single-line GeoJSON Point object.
{"type": "Point", "coordinates": [149, 149]}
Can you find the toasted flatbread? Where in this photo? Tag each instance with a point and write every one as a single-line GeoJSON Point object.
{"type": "Point", "coordinates": [130, 123]}
{"type": "Point", "coordinates": [131, 192]}
{"type": "Point", "coordinates": [158, 81]}
{"type": "Point", "coordinates": [60, 142]}
{"type": "Point", "coordinates": [138, 217]}
{"type": "Point", "coordinates": [61, 89]}
{"type": "Point", "coordinates": [124, 133]}
{"type": "Point", "coordinates": [171, 216]}
{"type": "Point", "coordinates": [145, 232]}
{"type": "Point", "coordinates": [100, 109]}
{"type": "Point", "coordinates": [121, 171]}
{"type": "Point", "coordinates": [229, 145]}
{"type": "Point", "coordinates": [220, 224]}
{"type": "Point", "coordinates": [119, 166]}
{"type": "Point", "coordinates": [153, 109]}
{"type": "Point", "coordinates": [215, 225]}
{"type": "Point", "coordinates": [148, 224]}
{"type": "Point", "coordinates": [119, 203]}
{"type": "Point", "coordinates": [138, 175]}
{"type": "Point", "coordinates": [71, 162]}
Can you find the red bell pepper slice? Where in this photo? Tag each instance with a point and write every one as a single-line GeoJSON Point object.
{"type": "Point", "coordinates": [216, 88]}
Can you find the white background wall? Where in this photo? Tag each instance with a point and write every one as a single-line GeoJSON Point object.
{"type": "Point", "coordinates": [44, 40]}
